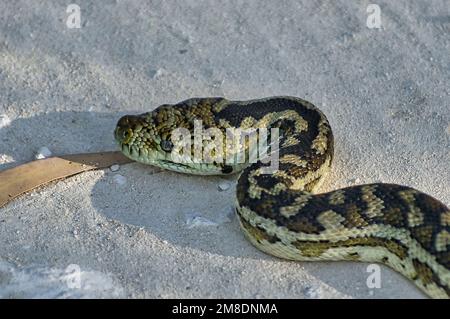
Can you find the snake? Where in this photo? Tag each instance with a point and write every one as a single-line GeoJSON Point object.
{"type": "Point", "coordinates": [281, 211]}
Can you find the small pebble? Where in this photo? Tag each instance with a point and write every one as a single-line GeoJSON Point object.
{"type": "Point", "coordinates": [4, 120]}
{"type": "Point", "coordinates": [156, 73]}
{"type": "Point", "coordinates": [217, 84]}
{"type": "Point", "coordinates": [42, 153]}
{"type": "Point", "coordinates": [114, 168]}
{"type": "Point", "coordinates": [4, 158]}
{"type": "Point", "coordinates": [120, 179]}
{"type": "Point", "coordinates": [223, 186]}
{"type": "Point", "coordinates": [354, 181]}
{"type": "Point", "coordinates": [196, 220]}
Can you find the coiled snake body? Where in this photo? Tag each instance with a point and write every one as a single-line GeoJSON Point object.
{"type": "Point", "coordinates": [391, 224]}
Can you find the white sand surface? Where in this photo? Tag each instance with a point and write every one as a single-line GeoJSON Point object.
{"type": "Point", "coordinates": [385, 91]}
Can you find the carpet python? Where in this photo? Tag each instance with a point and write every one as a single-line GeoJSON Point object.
{"type": "Point", "coordinates": [280, 213]}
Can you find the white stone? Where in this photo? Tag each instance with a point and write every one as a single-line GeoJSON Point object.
{"type": "Point", "coordinates": [120, 179]}
{"type": "Point", "coordinates": [196, 220]}
{"type": "Point", "coordinates": [5, 158]}
{"type": "Point", "coordinates": [4, 120]}
{"type": "Point", "coordinates": [42, 153]}
{"type": "Point", "coordinates": [223, 186]}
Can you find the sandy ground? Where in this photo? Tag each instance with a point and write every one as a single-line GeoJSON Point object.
{"type": "Point", "coordinates": [130, 232]}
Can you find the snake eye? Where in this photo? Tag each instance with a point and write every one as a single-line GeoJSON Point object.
{"type": "Point", "coordinates": [166, 145]}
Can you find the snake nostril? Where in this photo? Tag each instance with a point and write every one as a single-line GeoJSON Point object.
{"type": "Point", "coordinates": [123, 131]}
{"type": "Point", "coordinates": [124, 135]}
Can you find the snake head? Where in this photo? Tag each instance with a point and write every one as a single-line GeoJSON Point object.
{"type": "Point", "coordinates": [145, 138]}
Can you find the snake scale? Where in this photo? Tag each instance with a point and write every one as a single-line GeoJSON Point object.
{"type": "Point", "coordinates": [281, 213]}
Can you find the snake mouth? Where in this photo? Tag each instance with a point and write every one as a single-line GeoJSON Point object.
{"type": "Point", "coordinates": [180, 167]}
{"type": "Point", "coordinates": [126, 149]}
{"type": "Point", "coordinates": [131, 152]}
{"type": "Point", "coordinates": [135, 154]}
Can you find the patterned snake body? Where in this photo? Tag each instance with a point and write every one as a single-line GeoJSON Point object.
{"type": "Point", "coordinates": [279, 213]}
